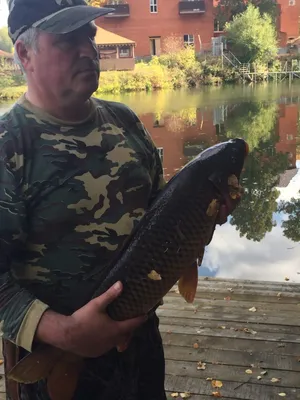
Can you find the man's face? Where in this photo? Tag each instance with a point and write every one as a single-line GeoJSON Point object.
{"type": "Point", "coordinates": [67, 65]}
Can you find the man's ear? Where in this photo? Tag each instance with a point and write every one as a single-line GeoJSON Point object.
{"type": "Point", "coordinates": [24, 55]}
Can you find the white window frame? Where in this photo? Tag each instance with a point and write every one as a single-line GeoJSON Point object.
{"type": "Point", "coordinates": [127, 52]}
{"type": "Point", "coordinates": [153, 6]}
{"type": "Point", "coordinates": [191, 39]}
{"type": "Point", "coordinates": [292, 2]}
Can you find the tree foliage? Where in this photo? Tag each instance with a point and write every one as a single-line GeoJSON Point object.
{"type": "Point", "coordinates": [5, 41]}
{"type": "Point", "coordinates": [255, 122]}
{"type": "Point", "coordinates": [252, 36]}
{"type": "Point", "coordinates": [291, 226]}
{"type": "Point", "coordinates": [227, 9]}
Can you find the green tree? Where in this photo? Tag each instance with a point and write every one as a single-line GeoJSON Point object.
{"type": "Point", "coordinates": [254, 216]}
{"type": "Point", "coordinates": [291, 226]}
{"type": "Point", "coordinates": [252, 36]}
{"type": "Point", "coordinates": [255, 122]}
{"type": "Point", "coordinates": [5, 41]}
{"type": "Point", "coordinates": [227, 9]}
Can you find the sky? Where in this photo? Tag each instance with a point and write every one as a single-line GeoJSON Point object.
{"type": "Point", "coordinates": [3, 13]}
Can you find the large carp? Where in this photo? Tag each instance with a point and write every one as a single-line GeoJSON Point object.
{"type": "Point", "coordinates": [161, 250]}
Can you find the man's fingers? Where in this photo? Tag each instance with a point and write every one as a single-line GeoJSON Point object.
{"type": "Point", "coordinates": [109, 296]}
{"type": "Point", "coordinates": [129, 325]}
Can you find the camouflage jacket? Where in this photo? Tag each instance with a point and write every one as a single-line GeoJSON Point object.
{"type": "Point", "coordinates": [70, 194]}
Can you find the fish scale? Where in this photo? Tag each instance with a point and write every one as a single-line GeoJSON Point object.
{"type": "Point", "coordinates": [173, 242]}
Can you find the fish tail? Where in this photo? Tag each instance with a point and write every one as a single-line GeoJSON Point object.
{"type": "Point", "coordinates": [36, 365]}
{"type": "Point", "coordinates": [63, 378]}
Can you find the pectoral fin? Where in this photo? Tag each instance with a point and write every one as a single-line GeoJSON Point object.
{"type": "Point", "coordinates": [36, 365]}
{"type": "Point", "coordinates": [187, 284]}
{"type": "Point", "coordinates": [63, 379]}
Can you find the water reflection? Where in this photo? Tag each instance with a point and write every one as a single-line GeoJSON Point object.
{"type": "Point", "coordinates": [260, 240]}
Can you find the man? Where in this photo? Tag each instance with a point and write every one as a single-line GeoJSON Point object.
{"type": "Point", "coordinates": [76, 175]}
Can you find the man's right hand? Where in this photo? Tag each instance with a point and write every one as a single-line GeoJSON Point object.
{"type": "Point", "coordinates": [89, 331]}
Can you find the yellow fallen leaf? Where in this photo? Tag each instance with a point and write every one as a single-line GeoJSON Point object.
{"type": "Point", "coordinates": [274, 380]}
{"type": "Point", "coordinates": [282, 394]}
{"type": "Point", "coordinates": [209, 379]}
{"type": "Point", "coordinates": [264, 372]}
{"type": "Point", "coordinates": [222, 327]}
{"type": "Point", "coordinates": [259, 378]}
{"type": "Point", "coordinates": [286, 278]}
{"type": "Point", "coordinates": [216, 394]}
{"type": "Point", "coordinates": [196, 345]}
{"type": "Point", "coordinates": [248, 371]}
{"type": "Point", "coordinates": [175, 394]}
{"type": "Point", "coordinates": [201, 365]}
{"type": "Point", "coordinates": [154, 275]}
{"type": "Point", "coordinates": [253, 309]}
{"type": "Point", "coordinates": [1, 362]}
{"type": "Point", "coordinates": [185, 395]}
{"type": "Point", "coordinates": [216, 384]}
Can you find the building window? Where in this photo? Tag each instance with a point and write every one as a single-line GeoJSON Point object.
{"type": "Point", "coordinates": [124, 52]}
{"type": "Point", "coordinates": [188, 40]}
{"type": "Point", "coordinates": [289, 137]}
{"type": "Point", "coordinates": [153, 6]}
{"type": "Point", "coordinates": [292, 2]}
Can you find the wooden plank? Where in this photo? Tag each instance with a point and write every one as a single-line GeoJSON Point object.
{"type": "Point", "coordinates": [223, 343]}
{"type": "Point", "coordinates": [233, 374]}
{"type": "Point", "coordinates": [233, 357]}
{"type": "Point", "coordinates": [229, 333]}
{"type": "Point", "coordinates": [295, 330]}
{"type": "Point", "coordinates": [251, 297]}
{"type": "Point", "coordinates": [172, 301]}
{"type": "Point", "coordinates": [242, 318]}
{"type": "Point", "coordinates": [248, 391]}
{"type": "Point", "coordinates": [192, 397]}
{"type": "Point", "coordinates": [230, 282]}
{"type": "Point", "coordinates": [226, 306]}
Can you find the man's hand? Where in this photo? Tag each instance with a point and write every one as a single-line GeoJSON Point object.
{"type": "Point", "coordinates": [90, 332]}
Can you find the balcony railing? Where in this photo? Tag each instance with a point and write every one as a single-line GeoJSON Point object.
{"type": "Point", "coordinates": [121, 10]}
{"type": "Point", "coordinates": [191, 6]}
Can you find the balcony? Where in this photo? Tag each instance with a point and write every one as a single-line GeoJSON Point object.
{"type": "Point", "coordinates": [121, 10]}
{"type": "Point", "coordinates": [191, 6]}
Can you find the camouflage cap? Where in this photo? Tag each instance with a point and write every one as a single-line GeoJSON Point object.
{"type": "Point", "coordinates": [53, 16]}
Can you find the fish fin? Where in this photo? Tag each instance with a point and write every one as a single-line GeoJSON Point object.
{"type": "Point", "coordinates": [36, 365]}
{"type": "Point", "coordinates": [187, 284]}
{"type": "Point", "coordinates": [63, 379]}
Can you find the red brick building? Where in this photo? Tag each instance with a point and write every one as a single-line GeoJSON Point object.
{"type": "Point", "coordinates": [150, 22]}
{"type": "Point", "coordinates": [288, 21]}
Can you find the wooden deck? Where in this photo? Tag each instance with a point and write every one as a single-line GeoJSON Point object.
{"type": "Point", "coordinates": [230, 341]}
{"type": "Point", "coordinates": [219, 332]}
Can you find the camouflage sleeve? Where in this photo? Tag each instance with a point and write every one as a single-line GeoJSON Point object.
{"type": "Point", "coordinates": [20, 311]}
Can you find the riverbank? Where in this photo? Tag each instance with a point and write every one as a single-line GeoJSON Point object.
{"type": "Point", "coordinates": [176, 70]}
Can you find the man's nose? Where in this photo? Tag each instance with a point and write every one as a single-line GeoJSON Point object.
{"type": "Point", "coordinates": [88, 48]}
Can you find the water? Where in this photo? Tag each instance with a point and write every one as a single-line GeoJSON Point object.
{"type": "Point", "coordinates": [261, 241]}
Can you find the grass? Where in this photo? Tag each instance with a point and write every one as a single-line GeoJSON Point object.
{"type": "Point", "coordinates": [177, 69]}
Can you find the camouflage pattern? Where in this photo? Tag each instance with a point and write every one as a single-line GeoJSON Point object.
{"type": "Point", "coordinates": [70, 194]}
{"type": "Point", "coordinates": [53, 16]}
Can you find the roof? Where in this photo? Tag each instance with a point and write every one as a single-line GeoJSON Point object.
{"type": "Point", "coordinates": [104, 37]}
{"type": "Point", "coordinates": [5, 54]}
{"type": "Point", "coordinates": [286, 177]}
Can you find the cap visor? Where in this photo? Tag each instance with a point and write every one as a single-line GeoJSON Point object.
{"type": "Point", "coordinates": [71, 18]}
